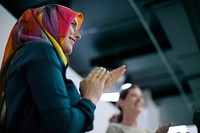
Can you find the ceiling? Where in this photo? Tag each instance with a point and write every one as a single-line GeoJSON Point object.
{"type": "Point", "coordinates": [157, 40]}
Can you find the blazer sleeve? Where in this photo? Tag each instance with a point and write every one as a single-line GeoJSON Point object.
{"type": "Point", "coordinates": [44, 73]}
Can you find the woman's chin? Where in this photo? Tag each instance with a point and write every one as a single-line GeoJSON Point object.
{"type": "Point", "coordinates": [68, 52]}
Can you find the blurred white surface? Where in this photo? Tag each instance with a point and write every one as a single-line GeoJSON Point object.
{"type": "Point", "coordinates": [183, 129]}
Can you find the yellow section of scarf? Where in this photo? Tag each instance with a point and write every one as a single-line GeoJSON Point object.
{"type": "Point", "coordinates": [54, 42]}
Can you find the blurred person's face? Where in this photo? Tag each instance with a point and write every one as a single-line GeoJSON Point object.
{"type": "Point", "coordinates": [71, 37]}
{"type": "Point", "coordinates": [134, 101]}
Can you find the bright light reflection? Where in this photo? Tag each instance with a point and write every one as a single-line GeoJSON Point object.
{"type": "Point", "coordinates": [178, 129]}
{"type": "Point", "coordinates": [110, 97]}
{"type": "Point", "coordinates": [125, 86]}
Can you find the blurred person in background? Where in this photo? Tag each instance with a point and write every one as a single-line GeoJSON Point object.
{"type": "Point", "coordinates": [131, 103]}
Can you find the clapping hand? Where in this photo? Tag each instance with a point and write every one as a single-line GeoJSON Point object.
{"type": "Point", "coordinates": [97, 80]}
{"type": "Point", "coordinates": [114, 75]}
{"type": "Point", "coordinates": [164, 128]}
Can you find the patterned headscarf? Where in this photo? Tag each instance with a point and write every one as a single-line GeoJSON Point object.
{"type": "Point", "coordinates": [47, 23]}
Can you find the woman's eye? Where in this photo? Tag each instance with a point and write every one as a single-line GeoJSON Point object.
{"type": "Point", "coordinates": [74, 23]}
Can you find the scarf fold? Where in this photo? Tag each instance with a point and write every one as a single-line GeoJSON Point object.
{"type": "Point", "coordinates": [47, 23]}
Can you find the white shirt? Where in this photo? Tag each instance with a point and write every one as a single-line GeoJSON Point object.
{"type": "Point", "coordinates": [119, 128]}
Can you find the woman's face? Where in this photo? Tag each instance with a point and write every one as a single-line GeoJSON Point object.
{"type": "Point", "coordinates": [71, 37]}
{"type": "Point", "coordinates": [134, 101]}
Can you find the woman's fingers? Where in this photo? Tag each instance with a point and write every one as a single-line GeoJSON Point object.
{"type": "Point", "coordinates": [96, 73]}
{"type": "Point", "coordinates": [114, 75]}
{"type": "Point", "coordinates": [117, 72]}
{"type": "Point", "coordinates": [92, 72]}
{"type": "Point", "coordinates": [104, 77]}
{"type": "Point", "coordinates": [97, 80]}
{"type": "Point", "coordinates": [100, 73]}
{"type": "Point", "coordinates": [92, 86]}
{"type": "Point", "coordinates": [118, 69]}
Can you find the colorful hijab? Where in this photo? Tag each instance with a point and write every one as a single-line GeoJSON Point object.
{"type": "Point", "coordinates": [47, 23]}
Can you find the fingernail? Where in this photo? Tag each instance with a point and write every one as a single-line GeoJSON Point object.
{"type": "Point", "coordinates": [101, 67]}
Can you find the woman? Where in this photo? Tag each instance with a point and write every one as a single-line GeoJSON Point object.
{"type": "Point", "coordinates": [34, 89]}
{"type": "Point", "coordinates": [131, 103]}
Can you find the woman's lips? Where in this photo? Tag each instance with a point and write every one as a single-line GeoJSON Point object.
{"type": "Point", "coordinates": [72, 39]}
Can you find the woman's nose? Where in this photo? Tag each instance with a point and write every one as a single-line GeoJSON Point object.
{"type": "Point", "coordinates": [77, 35]}
{"type": "Point", "coordinates": [139, 98]}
